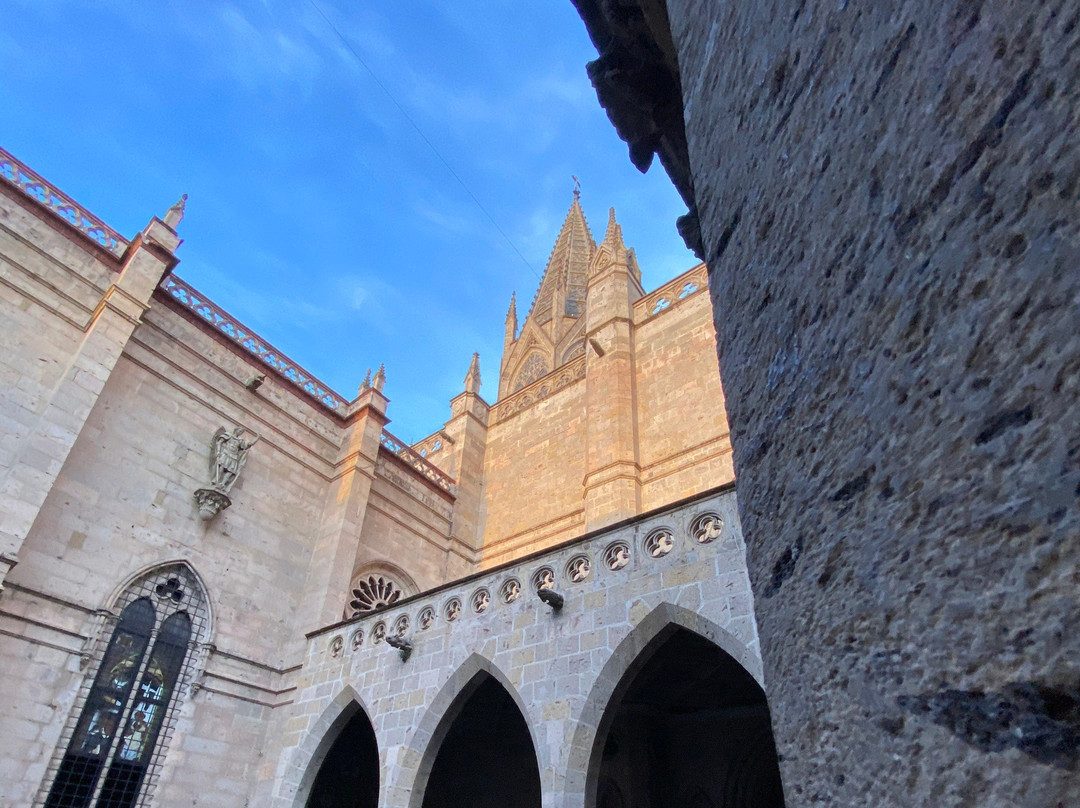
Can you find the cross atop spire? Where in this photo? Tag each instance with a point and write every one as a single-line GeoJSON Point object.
{"type": "Point", "coordinates": [577, 186]}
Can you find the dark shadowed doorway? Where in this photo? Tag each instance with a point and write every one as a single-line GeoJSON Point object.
{"type": "Point", "coordinates": [688, 727]}
{"type": "Point", "coordinates": [486, 758]}
{"type": "Point", "coordinates": [349, 775]}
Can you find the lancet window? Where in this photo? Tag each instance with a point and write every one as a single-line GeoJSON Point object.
{"type": "Point", "coordinates": [119, 734]}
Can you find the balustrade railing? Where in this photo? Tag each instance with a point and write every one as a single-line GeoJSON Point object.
{"type": "Point", "coordinates": [673, 291]}
{"type": "Point", "coordinates": [35, 186]}
{"type": "Point", "coordinates": [204, 309]}
{"type": "Point", "coordinates": [405, 452]}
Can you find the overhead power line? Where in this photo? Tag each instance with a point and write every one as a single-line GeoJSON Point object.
{"type": "Point", "coordinates": [420, 132]}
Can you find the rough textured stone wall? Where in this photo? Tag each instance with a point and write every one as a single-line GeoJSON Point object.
{"type": "Point", "coordinates": [122, 501]}
{"type": "Point", "coordinates": [537, 457]}
{"type": "Point", "coordinates": [47, 278]}
{"type": "Point", "coordinates": [888, 195]}
{"type": "Point", "coordinates": [682, 429]}
{"type": "Point", "coordinates": [561, 669]}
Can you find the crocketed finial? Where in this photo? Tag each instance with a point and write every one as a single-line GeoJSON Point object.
{"type": "Point", "coordinates": [472, 378]}
{"type": "Point", "coordinates": [174, 214]}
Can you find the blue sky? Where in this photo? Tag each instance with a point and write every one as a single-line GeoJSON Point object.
{"type": "Point", "coordinates": [318, 215]}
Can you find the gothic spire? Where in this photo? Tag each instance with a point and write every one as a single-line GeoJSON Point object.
{"type": "Point", "coordinates": [613, 236]}
{"type": "Point", "coordinates": [566, 268]}
{"type": "Point", "coordinates": [472, 378]}
{"type": "Point", "coordinates": [511, 313]}
{"type": "Point", "coordinates": [511, 323]}
{"type": "Point", "coordinates": [174, 214]}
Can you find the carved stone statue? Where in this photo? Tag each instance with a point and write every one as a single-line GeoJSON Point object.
{"type": "Point", "coordinates": [228, 452]}
{"type": "Point", "coordinates": [227, 456]}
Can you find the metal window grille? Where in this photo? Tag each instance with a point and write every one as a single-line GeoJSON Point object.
{"type": "Point", "coordinates": [112, 746]}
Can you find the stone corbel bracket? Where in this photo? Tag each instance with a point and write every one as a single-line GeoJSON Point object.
{"type": "Point", "coordinates": [211, 502]}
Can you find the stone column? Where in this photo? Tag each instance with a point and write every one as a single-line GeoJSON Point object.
{"type": "Point", "coordinates": [888, 200]}
{"type": "Point", "coordinates": [334, 553]}
{"type": "Point", "coordinates": [612, 476]}
{"type": "Point", "coordinates": [468, 427]}
{"type": "Point", "coordinates": [45, 449]}
{"type": "Point", "coordinates": [887, 196]}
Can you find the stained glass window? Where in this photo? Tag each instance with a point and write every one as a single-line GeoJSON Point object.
{"type": "Point", "coordinates": [150, 702]}
{"type": "Point", "coordinates": [79, 771]}
{"type": "Point", "coordinates": [116, 740]}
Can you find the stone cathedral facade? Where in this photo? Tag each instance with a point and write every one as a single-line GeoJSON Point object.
{"type": "Point", "coordinates": [224, 584]}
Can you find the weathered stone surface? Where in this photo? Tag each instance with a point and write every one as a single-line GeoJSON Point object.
{"type": "Point", "coordinates": [888, 196]}
{"type": "Point", "coordinates": [112, 386]}
{"type": "Point", "coordinates": [561, 667]}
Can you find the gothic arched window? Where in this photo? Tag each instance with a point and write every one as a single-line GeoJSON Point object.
{"type": "Point", "coordinates": [531, 369]}
{"type": "Point", "coordinates": [133, 696]}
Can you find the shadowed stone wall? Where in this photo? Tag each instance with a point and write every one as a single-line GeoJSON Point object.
{"type": "Point", "coordinates": [888, 200]}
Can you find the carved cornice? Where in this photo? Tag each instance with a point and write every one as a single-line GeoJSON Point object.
{"type": "Point", "coordinates": [562, 376]}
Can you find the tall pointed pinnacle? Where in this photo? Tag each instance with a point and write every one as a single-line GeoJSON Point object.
{"type": "Point", "coordinates": [511, 314]}
{"type": "Point", "coordinates": [472, 378]}
{"type": "Point", "coordinates": [613, 236]}
{"type": "Point", "coordinates": [174, 214]}
{"type": "Point", "coordinates": [566, 269]}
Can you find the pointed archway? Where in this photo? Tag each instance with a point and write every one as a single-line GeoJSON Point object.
{"type": "Point", "coordinates": [686, 725]}
{"type": "Point", "coordinates": [485, 758]}
{"type": "Point", "coordinates": [349, 774]}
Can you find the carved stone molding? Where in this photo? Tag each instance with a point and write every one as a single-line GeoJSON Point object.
{"type": "Point", "coordinates": [481, 599]}
{"type": "Point", "coordinates": [373, 592]}
{"type": "Point", "coordinates": [211, 502]}
{"type": "Point", "coordinates": [579, 569]}
{"type": "Point", "coordinates": [617, 555]}
{"type": "Point", "coordinates": [707, 528]}
{"type": "Point", "coordinates": [543, 578]}
{"type": "Point", "coordinates": [659, 542]}
{"type": "Point", "coordinates": [510, 590]}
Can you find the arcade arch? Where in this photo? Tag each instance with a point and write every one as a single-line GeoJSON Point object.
{"type": "Point", "coordinates": [348, 776]}
{"type": "Point", "coordinates": [686, 725]}
{"type": "Point", "coordinates": [481, 755]}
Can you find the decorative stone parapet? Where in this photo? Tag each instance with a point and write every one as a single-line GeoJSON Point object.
{"type": "Point", "coordinates": [672, 293]}
{"type": "Point", "coordinates": [661, 543]}
{"type": "Point", "coordinates": [288, 370]}
{"type": "Point", "coordinates": [405, 452]}
{"type": "Point", "coordinates": [34, 186]}
{"type": "Point", "coordinates": [562, 376]}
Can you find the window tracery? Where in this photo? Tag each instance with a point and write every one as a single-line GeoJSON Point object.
{"type": "Point", "coordinates": [371, 592]}
{"type": "Point", "coordinates": [533, 368]}
{"type": "Point", "coordinates": [124, 720]}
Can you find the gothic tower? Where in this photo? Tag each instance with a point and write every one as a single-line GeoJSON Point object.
{"type": "Point", "coordinates": [554, 329]}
